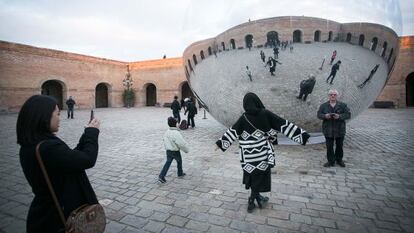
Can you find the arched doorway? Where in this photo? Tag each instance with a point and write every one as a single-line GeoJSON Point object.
{"type": "Point", "coordinates": [348, 37]}
{"type": "Point", "coordinates": [409, 90]}
{"type": "Point", "coordinates": [384, 49]}
{"type": "Point", "coordinates": [272, 38]}
{"type": "Point", "coordinates": [187, 74]}
{"type": "Point", "coordinates": [361, 40]}
{"type": "Point", "coordinates": [232, 44]}
{"type": "Point", "coordinates": [195, 59]}
{"type": "Point", "coordinates": [389, 57]}
{"type": "Point", "coordinates": [223, 46]}
{"type": "Point", "coordinates": [297, 36]}
{"type": "Point", "coordinates": [186, 91]}
{"type": "Point", "coordinates": [101, 96]}
{"type": "Point", "coordinates": [189, 64]}
{"type": "Point", "coordinates": [55, 89]}
{"type": "Point", "coordinates": [374, 43]}
{"type": "Point", "coordinates": [202, 54]}
{"type": "Point", "coordinates": [317, 36]}
{"type": "Point", "coordinates": [330, 36]}
{"type": "Point", "coordinates": [209, 51]}
{"type": "Point", "coordinates": [151, 95]}
{"type": "Point", "coordinates": [249, 41]}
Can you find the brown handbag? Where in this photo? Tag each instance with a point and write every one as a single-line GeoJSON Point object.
{"type": "Point", "coordinates": [84, 219]}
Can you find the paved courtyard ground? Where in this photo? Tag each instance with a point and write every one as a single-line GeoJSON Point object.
{"type": "Point", "coordinates": [374, 193]}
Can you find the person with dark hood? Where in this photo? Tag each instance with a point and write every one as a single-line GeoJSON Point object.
{"type": "Point", "coordinates": [192, 111]}
{"type": "Point", "coordinates": [306, 87]}
{"type": "Point", "coordinates": [36, 127]}
{"type": "Point", "coordinates": [256, 130]}
{"type": "Point", "coordinates": [175, 107]}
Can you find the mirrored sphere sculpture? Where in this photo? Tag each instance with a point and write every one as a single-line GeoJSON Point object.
{"type": "Point", "coordinates": [221, 70]}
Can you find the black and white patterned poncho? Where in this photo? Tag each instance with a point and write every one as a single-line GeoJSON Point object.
{"type": "Point", "coordinates": [255, 134]}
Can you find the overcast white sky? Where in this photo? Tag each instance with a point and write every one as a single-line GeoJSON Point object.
{"type": "Point", "coordinates": [133, 30]}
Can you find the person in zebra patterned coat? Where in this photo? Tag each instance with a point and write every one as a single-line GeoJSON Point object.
{"type": "Point", "coordinates": [256, 130]}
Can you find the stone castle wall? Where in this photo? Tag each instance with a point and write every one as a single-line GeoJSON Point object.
{"type": "Point", "coordinates": [23, 70]}
{"type": "Point", "coordinates": [395, 90]}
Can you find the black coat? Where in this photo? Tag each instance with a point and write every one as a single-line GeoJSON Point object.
{"type": "Point", "coordinates": [334, 128]}
{"type": "Point", "coordinates": [255, 133]}
{"type": "Point", "coordinates": [335, 68]}
{"type": "Point", "coordinates": [70, 103]}
{"type": "Point", "coordinates": [191, 109]}
{"type": "Point", "coordinates": [66, 170]}
{"type": "Point", "coordinates": [175, 106]}
{"type": "Point", "coordinates": [307, 85]}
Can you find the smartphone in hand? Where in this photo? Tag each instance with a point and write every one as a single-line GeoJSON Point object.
{"type": "Point", "coordinates": [92, 116]}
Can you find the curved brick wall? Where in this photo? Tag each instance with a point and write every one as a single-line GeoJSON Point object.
{"type": "Point", "coordinates": [23, 70]}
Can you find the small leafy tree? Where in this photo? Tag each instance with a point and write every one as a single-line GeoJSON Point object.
{"type": "Point", "coordinates": [128, 97]}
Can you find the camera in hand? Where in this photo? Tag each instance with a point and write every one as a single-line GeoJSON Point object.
{"type": "Point", "coordinates": [332, 115]}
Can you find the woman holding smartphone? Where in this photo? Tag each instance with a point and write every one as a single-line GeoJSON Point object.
{"type": "Point", "coordinates": [38, 123]}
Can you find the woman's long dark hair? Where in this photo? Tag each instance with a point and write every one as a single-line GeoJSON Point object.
{"type": "Point", "coordinates": [33, 122]}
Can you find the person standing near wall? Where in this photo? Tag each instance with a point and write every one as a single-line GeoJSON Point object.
{"type": "Point", "coordinates": [192, 111]}
{"type": "Point", "coordinates": [70, 103]}
{"type": "Point", "coordinates": [175, 107]}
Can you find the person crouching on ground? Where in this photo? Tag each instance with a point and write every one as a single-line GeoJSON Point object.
{"type": "Point", "coordinates": [173, 142]}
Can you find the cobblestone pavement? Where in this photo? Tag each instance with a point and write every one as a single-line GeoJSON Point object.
{"type": "Point", "coordinates": [374, 193]}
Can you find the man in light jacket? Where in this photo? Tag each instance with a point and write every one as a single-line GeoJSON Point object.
{"type": "Point", "coordinates": [173, 142]}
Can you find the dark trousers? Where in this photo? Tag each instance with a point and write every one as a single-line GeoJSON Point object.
{"type": "Point", "coordinates": [170, 156]}
{"type": "Point", "coordinates": [190, 118]}
{"type": "Point", "coordinates": [177, 116]}
{"type": "Point", "coordinates": [70, 113]}
{"type": "Point", "coordinates": [304, 94]}
{"type": "Point", "coordinates": [339, 152]}
{"type": "Point", "coordinates": [331, 75]}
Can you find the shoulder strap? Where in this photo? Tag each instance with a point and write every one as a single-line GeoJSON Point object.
{"type": "Point", "coordinates": [245, 117]}
{"type": "Point", "coordinates": [49, 184]}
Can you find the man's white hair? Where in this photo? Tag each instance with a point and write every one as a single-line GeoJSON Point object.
{"type": "Point", "coordinates": [333, 91]}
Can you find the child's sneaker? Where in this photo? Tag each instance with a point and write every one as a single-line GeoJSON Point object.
{"type": "Point", "coordinates": [162, 179]}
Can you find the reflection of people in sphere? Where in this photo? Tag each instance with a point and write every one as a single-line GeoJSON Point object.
{"type": "Point", "coordinates": [334, 69]}
{"type": "Point", "coordinates": [306, 87]}
{"type": "Point", "coordinates": [256, 130]}
{"type": "Point", "coordinates": [369, 77]}
{"type": "Point", "coordinates": [249, 73]}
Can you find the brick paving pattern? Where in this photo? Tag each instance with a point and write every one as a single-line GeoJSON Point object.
{"type": "Point", "coordinates": [374, 193]}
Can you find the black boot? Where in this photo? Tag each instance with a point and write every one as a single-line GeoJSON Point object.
{"type": "Point", "coordinates": [261, 200]}
{"type": "Point", "coordinates": [251, 205]}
